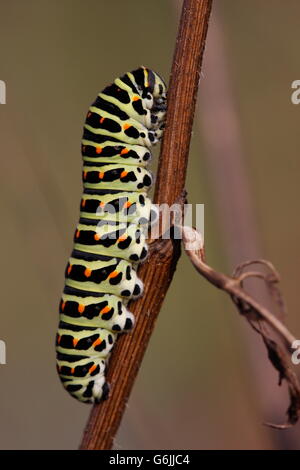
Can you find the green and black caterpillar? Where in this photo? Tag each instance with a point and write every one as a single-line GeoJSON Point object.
{"type": "Point", "coordinates": [124, 121]}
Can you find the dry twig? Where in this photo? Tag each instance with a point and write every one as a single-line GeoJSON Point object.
{"type": "Point", "coordinates": [259, 317]}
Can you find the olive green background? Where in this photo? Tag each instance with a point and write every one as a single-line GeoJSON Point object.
{"type": "Point", "coordinates": [198, 387]}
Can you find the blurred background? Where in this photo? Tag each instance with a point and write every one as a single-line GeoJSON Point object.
{"type": "Point", "coordinates": [206, 387]}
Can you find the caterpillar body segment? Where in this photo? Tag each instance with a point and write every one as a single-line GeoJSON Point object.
{"type": "Point", "coordinates": [116, 177]}
{"type": "Point", "coordinates": [109, 152]}
{"type": "Point", "coordinates": [121, 206]}
{"type": "Point", "coordinates": [122, 124]}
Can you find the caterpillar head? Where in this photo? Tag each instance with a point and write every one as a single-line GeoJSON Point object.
{"type": "Point", "coordinates": [157, 89]}
{"type": "Point", "coordinates": [153, 92]}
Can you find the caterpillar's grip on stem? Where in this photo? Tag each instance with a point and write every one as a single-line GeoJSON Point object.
{"type": "Point", "coordinates": [125, 120]}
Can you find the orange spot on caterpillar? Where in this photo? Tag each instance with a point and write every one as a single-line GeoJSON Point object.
{"type": "Point", "coordinates": [101, 120]}
{"type": "Point", "coordinates": [83, 202]}
{"type": "Point", "coordinates": [84, 174]}
{"type": "Point", "coordinates": [81, 308]}
{"type": "Point", "coordinates": [83, 148]}
{"type": "Point", "coordinates": [89, 114]}
{"type": "Point", "coordinates": [91, 369]}
{"type": "Point", "coordinates": [127, 204]}
{"type": "Point", "coordinates": [123, 174]}
{"type": "Point", "coordinates": [97, 342]}
{"type": "Point", "coordinates": [87, 272]}
{"type": "Point", "coordinates": [113, 274]}
{"type": "Point", "coordinates": [124, 151]}
{"type": "Point", "coordinates": [126, 126]}
{"type": "Point", "coordinates": [69, 269]}
{"type": "Point", "coordinates": [101, 204]}
{"type": "Point", "coordinates": [75, 341]}
{"type": "Point", "coordinates": [72, 370]}
{"type": "Point", "coordinates": [122, 238]}
{"type": "Point", "coordinates": [105, 310]}
{"type": "Point", "coordinates": [77, 233]}
{"type": "Point", "coordinates": [101, 175]}
{"type": "Point", "coordinates": [136, 98]}
{"type": "Point", "coordinates": [63, 306]}
{"type": "Point", "coordinates": [97, 236]}
{"type": "Point", "coordinates": [58, 339]}
{"type": "Point", "coordinates": [99, 149]}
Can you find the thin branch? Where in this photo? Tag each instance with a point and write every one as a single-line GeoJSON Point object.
{"type": "Point", "coordinates": [257, 315]}
{"type": "Point", "coordinates": [158, 271]}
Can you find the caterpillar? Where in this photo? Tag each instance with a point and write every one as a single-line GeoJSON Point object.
{"type": "Point", "coordinates": [124, 121]}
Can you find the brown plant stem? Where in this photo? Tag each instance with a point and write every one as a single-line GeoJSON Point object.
{"type": "Point", "coordinates": [158, 271]}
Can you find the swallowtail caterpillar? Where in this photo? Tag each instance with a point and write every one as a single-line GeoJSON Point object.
{"type": "Point", "coordinates": [122, 124]}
